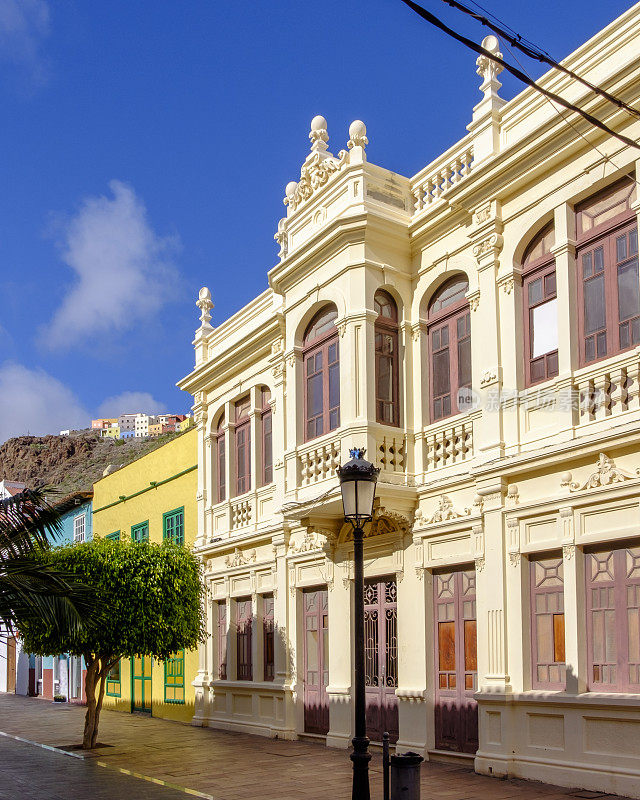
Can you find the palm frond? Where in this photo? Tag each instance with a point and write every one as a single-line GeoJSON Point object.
{"type": "Point", "coordinates": [27, 521]}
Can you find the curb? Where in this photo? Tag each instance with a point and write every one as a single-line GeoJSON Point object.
{"type": "Point", "coordinates": [121, 770]}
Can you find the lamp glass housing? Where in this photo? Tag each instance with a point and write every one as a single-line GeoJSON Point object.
{"type": "Point", "coordinates": [358, 480]}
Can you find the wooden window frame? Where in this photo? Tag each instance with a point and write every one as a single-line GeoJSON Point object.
{"type": "Point", "coordinates": [174, 679]}
{"type": "Point", "coordinates": [169, 520]}
{"type": "Point", "coordinates": [321, 344]}
{"type": "Point", "coordinates": [242, 425]}
{"type": "Point", "coordinates": [268, 637]}
{"type": "Point", "coordinates": [619, 585]}
{"type": "Point", "coordinates": [266, 465]}
{"type": "Point", "coordinates": [605, 236]}
{"type": "Point", "coordinates": [79, 523]}
{"type": "Point", "coordinates": [436, 320]}
{"type": "Point", "coordinates": [535, 592]}
{"type": "Point", "coordinates": [221, 466]}
{"type": "Point", "coordinates": [114, 537]}
{"type": "Point", "coordinates": [384, 326]}
{"type": "Point", "coordinates": [244, 639]}
{"type": "Point", "coordinates": [113, 686]}
{"type": "Point", "coordinates": [541, 267]}
{"type": "Point", "coordinates": [140, 526]}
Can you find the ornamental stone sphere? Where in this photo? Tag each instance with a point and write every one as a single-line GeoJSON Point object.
{"type": "Point", "coordinates": [357, 129]}
{"type": "Point", "coordinates": [290, 189]}
{"type": "Point", "coordinates": [565, 478]}
{"type": "Point", "coordinates": [318, 123]}
{"type": "Point", "coordinates": [204, 294]}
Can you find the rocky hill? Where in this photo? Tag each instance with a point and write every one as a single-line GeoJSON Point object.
{"type": "Point", "coordinates": [69, 463]}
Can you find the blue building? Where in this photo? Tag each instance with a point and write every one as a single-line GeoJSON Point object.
{"type": "Point", "coordinates": [63, 675]}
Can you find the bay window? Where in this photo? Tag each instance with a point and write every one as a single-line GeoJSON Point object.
{"type": "Point", "coordinates": [321, 358]}
{"type": "Point", "coordinates": [607, 263]}
{"type": "Point", "coordinates": [449, 336]}
{"type": "Point", "coordinates": [386, 352]}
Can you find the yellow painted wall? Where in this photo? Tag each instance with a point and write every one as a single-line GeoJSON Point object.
{"type": "Point", "coordinates": [172, 468]}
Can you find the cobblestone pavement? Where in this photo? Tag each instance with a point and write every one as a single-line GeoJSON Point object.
{"type": "Point", "coordinates": [225, 765]}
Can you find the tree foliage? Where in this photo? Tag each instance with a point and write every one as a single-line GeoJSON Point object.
{"type": "Point", "coordinates": [148, 601]}
{"type": "Point", "coordinates": [33, 589]}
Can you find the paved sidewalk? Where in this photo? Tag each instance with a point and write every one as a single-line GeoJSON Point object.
{"type": "Point", "coordinates": [235, 766]}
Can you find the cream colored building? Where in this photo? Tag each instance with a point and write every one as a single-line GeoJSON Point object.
{"type": "Point", "coordinates": [477, 328]}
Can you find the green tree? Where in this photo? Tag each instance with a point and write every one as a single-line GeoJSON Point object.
{"type": "Point", "coordinates": [148, 602]}
{"type": "Point", "coordinates": [33, 589]}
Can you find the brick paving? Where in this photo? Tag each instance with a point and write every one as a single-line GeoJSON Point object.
{"type": "Point", "coordinates": [236, 766]}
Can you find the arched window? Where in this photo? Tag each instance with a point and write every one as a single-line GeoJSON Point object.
{"type": "Point", "coordinates": [266, 430]}
{"type": "Point", "coordinates": [321, 374]}
{"type": "Point", "coordinates": [449, 335]}
{"type": "Point", "coordinates": [387, 367]}
{"type": "Point", "coordinates": [221, 461]}
{"type": "Point", "coordinates": [540, 308]}
{"type": "Point", "coordinates": [243, 446]}
{"type": "Point", "coordinates": [607, 260]}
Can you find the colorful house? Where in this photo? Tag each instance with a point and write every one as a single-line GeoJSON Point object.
{"type": "Point", "coordinates": [63, 675]}
{"type": "Point", "coordinates": [152, 499]}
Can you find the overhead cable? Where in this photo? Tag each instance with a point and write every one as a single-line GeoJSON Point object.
{"type": "Point", "coordinates": [431, 18]}
{"type": "Point", "coordinates": [539, 55]}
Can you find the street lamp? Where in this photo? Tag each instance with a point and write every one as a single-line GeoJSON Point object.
{"type": "Point", "coordinates": [358, 486]}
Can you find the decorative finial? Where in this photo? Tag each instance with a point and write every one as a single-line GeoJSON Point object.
{"type": "Point", "coordinates": [357, 135]}
{"type": "Point", "coordinates": [205, 305]}
{"type": "Point", "coordinates": [357, 452]}
{"type": "Point", "coordinates": [318, 135]}
{"type": "Point", "coordinates": [488, 69]}
{"type": "Point", "coordinates": [290, 191]}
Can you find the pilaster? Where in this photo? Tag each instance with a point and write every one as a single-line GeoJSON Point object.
{"type": "Point", "coordinates": [340, 652]}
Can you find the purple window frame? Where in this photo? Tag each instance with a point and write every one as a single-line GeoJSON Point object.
{"type": "Point", "coordinates": [243, 450]}
{"type": "Point", "coordinates": [549, 596]}
{"type": "Point", "coordinates": [244, 616]}
{"type": "Point", "coordinates": [268, 635]}
{"type": "Point", "coordinates": [317, 365]}
{"type": "Point", "coordinates": [387, 327]}
{"type": "Point", "coordinates": [447, 319]}
{"type": "Point", "coordinates": [266, 421]}
{"type": "Point", "coordinates": [221, 466]}
{"type": "Point", "coordinates": [617, 595]}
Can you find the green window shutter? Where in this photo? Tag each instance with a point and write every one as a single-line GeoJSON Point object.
{"type": "Point", "coordinates": [140, 532]}
{"type": "Point", "coordinates": [115, 536]}
{"type": "Point", "coordinates": [173, 526]}
{"type": "Point", "coordinates": [174, 678]}
{"type": "Point", "coordinates": [113, 679]}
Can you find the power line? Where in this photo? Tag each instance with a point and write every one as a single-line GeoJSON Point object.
{"type": "Point", "coordinates": [533, 51]}
{"type": "Point", "coordinates": [431, 18]}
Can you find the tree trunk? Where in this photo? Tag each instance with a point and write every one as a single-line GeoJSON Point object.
{"type": "Point", "coordinates": [90, 719]}
{"type": "Point", "coordinates": [104, 671]}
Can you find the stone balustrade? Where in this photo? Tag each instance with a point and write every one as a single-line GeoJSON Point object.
{"type": "Point", "coordinates": [434, 181]}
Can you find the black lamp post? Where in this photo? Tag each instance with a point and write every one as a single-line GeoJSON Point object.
{"type": "Point", "coordinates": [358, 486]}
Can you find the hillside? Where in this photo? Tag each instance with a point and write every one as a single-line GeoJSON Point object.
{"type": "Point", "coordinates": [69, 463]}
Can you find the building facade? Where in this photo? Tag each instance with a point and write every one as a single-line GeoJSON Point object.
{"type": "Point", "coordinates": [153, 498]}
{"type": "Point", "coordinates": [447, 323]}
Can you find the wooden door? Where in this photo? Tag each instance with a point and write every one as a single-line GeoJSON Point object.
{"type": "Point", "coordinates": [456, 712]}
{"type": "Point", "coordinates": [316, 661]}
{"type": "Point", "coordinates": [11, 663]}
{"type": "Point", "coordinates": [141, 683]}
{"type": "Point", "coordinates": [381, 657]}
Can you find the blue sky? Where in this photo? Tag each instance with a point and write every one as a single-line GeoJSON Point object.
{"type": "Point", "coordinates": [144, 151]}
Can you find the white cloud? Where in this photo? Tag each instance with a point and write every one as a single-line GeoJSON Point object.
{"type": "Point", "coordinates": [32, 401]}
{"type": "Point", "coordinates": [124, 273]}
{"type": "Point", "coordinates": [130, 403]}
{"type": "Point", "coordinates": [24, 24]}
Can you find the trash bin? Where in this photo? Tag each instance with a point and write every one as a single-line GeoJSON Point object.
{"type": "Point", "coordinates": [405, 776]}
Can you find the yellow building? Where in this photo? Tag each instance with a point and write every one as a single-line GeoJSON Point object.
{"type": "Point", "coordinates": [155, 429]}
{"type": "Point", "coordinates": [152, 498]}
{"type": "Point", "coordinates": [112, 432]}
{"type": "Point", "coordinates": [185, 424]}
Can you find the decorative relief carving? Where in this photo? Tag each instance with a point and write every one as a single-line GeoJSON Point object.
{"type": "Point", "coordinates": [277, 370]}
{"type": "Point", "coordinates": [483, 214]}
{"type": "Point", "coordinates": [239, 559]}
{"type": "Point", "coordinates": [513, 496]}
{"type": "Point", "coordinates": [514, 558]}
{"type": "Point", "coordinates": [446, 511]}
{"type": "Point", "coordinates": [479, 563]}
{"type": "Point", "coordinates": [474, 300]}
{"type": "Point", "coordinates": [506, 284]}
{"type": "Point", "coordinates": [489, 376]}
{"type": "Point", "coordinates": [282, 238]}
{"type": "Point", "coordinates": [342, 328]}
{"type": "Point", "coordinates": [491, 245]}
{"type": "Point", "coordinates": [383, 521]}
{"type": "Point", "coordinates": [314, 174]}
{"type": "Point", "coordinates": [568, 551]}
{"type": "Point", "coordinates": [605, 474]}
